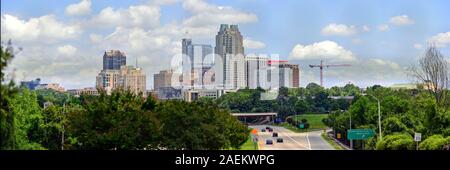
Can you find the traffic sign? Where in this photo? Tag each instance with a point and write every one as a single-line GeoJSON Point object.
{"type": "Point", "coordinates": [301, 126]}
{"type": "Point", "coordinates": [417, 137]}
{"type": "Point", "coordinates": [358, 134]}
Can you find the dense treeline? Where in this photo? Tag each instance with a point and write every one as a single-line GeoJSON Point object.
{"type": "Point", "coordinates": [286, 102]}
{"type": "Point", "coordinates": [45, 119]}
{"type": "Point", "coordinates": [403, 113]}
{"type": "Point", "coordinates": [121, 120]}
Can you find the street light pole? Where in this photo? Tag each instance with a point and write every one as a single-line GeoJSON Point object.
{"type": "Point", "coordinates": [379, 120]}
{"type": "Point", "coordinates": [379, 117]}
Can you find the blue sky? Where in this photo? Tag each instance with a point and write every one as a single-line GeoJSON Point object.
{"type": "Point", "coordinates": [379, 38]}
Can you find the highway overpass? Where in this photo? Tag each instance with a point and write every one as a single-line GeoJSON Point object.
{"type": "Point", "coordinates": [255, 118]}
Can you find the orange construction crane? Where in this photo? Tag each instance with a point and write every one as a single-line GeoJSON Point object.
{"type": "Point", "coordinates": [321, 66]}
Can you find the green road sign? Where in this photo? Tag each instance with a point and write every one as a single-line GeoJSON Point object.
{"type": "Point", "coordinates": [301, 126]}
{"type": "Point", "coordinates": [358, 134]}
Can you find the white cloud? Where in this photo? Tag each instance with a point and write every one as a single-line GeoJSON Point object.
{"type": "Point", "coordinates": [209, 14]}
{"type": "Point", "coordinates": [364, 72]}
{"type": "Point", "coordinates": [357, 41]}
{"type": "Point", "coordinates": [383, 28]}
{"type": "Point", "coordinates": [137, 40]}
{"type": "Point", "coordinates": [418, 46]}
{"type": "Point", "coordinates": [163, 2]}
{"type": "Point", "coordinates": [136, 30]}
{"type": "Point", "coordinates": [384, 63]}
{"type": "Point", "coordinates": [327, 50]}
{"type": "Point", "coordinates": [440, 40]}
{"type": "Point", "coordinates": [339, 30]}
{"type": "Point", "coordinates": [43, 29]}
{"type": "Point", "coordinates": [366, 28]}
{"type": "Point", "coordinates": [401, 20]}
{"type": "Point", "coordinates": [67, 50]}
{"type": "Point", "coordinates": [367, 72]}
{"type": "Point", "coordinates": [145, 16]}
{"type": "Point", "coordinates": [253, 44]}
{"type": "Point", "coordinates": [79, 9]}
{"type": "Point", "coordinates": [95, 38]}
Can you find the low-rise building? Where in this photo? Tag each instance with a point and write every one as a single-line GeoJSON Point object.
{"type": "Point", "coordinates": [193, 95]}
{"type": "Point", "coordinates": [166, 93]}
{"type": "Point", "coordinates": [52, 86]}
{"type": "Point", "coordinates": [31, 84]}
{"type": "Point", "coordinates": [87, 91]}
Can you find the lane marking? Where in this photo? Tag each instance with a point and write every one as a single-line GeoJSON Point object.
{"type": "Point", "coordinates": [309, 143]}
{"type": "Point", "coordinates": [294, 139]}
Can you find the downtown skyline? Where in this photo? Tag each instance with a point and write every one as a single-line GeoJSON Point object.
{"type": "Point", "coordinates": [379, 40]}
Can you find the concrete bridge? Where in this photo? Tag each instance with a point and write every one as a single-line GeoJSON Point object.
{"type": "Point", "coordinates": [255, 118]}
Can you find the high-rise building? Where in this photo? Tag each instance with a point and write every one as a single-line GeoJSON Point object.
{"type": "Point", "coordinates": [165, 78]}
{"type": "Point", "coordinates": [229, 40]}
{"type": "Point", "coordinates": [113, 60]}
{"type": "Point", "coordinates": [282, 74]}
{"type": "Point", "coordinates": [256, 71]}
{"type": "Point", "coordinates": [108, 80]}
{"type": "Point", "coordinates": [295, 75]}
{"type": "Point", "coordinates": [196, 61]}
{"type": "Point", "coordinates": [230, 58]}
{"type": "Point", "coordinates": [133, 79]}
{"type": "Point", "coordinates": [286, 76]}
{"type": "Point", "coordinates": [116, 74]}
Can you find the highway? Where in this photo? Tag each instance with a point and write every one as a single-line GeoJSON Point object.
{"type": "Point", "coordinates": [292, 140]}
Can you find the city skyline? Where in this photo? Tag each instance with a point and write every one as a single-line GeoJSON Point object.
{"type": "Point", "coordinates": [66, 45]}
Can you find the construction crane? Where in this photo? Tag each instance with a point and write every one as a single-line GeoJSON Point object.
{"type": "Point", "coordinates": [321, 66]}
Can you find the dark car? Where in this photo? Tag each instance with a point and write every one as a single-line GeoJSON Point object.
{"type": "Point", "coordinates": [263, 130]}
{"type": "Point", "coordinates": [274, 134]}
{"type": "Point", "coordinates": [270, 130]}
{"type": "Point", "coordinates": [269, 142]}
{"type": "Point", "coordinates": [267, 127]}
{"type": "Point", "coordinates": [279, 140]}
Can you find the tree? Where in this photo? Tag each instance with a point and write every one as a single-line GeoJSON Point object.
{"type": "Point", "coordinates": [397, 141]}
{"type": "Point", "coordinates": [7, 91]}
{"type": "Point", "coordinates": [198, 126]}
{"type": "Point", "coordinates": [52, 127]}
{"type": "Point", "coordinates": [28, 119]}
{"type": "Point", "coordinates": [435, 142]}
{"type": "Point", "coordinates": [313, 89]}
{"type": "Point", "coordinates": [433, 71]}
{"type": "Point", "coordinates": [351, 90]}
{"type": "Point", "coordinates": [393, 124]}
{"type": "Point", "coordinates": [302, 106]}
{"type": "Point", "coordinates": [117, 121]}
{"type": "Point", "coordinates": [49, 95]}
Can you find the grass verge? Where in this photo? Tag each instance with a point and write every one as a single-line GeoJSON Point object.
{"type": "Point", "coordinates": [331, 142]}
{"type": "Point", "coordinates": [314, 120]}
{"type": "Point", "coordinates": [249, 144]}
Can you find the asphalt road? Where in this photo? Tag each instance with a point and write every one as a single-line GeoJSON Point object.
{"type": "Point", "coordinates": [292, 140]}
